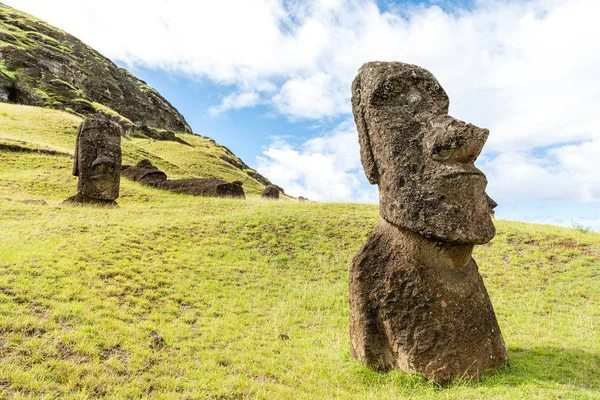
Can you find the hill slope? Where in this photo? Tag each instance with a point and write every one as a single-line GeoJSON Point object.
{"type": "Point", "coordinates": [46, 67]}
{"type": "Point", "coordinates": [24, 128]}
{"type": "Point", "coordinates": [86, 294]}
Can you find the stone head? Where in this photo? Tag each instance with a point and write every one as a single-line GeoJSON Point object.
{"type": "Point", "coordinates": [421, 158]}
{"type": "Point", "coordinates": [98, 158]}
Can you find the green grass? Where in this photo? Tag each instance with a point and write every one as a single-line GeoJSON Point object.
{"type": "Point", "coordinates": [56, 130]}
{"type": "Point", "coordinates": [81, 289]}
{"type": "Point", "coordinates": [26, 35]}
{"type": "Point", "coordinates": [9, 74]}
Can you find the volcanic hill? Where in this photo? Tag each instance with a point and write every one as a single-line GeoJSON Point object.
{"type": "Point", "coordinates": [43, 66]}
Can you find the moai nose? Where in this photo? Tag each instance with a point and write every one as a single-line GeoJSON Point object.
{"type": "Point", "coordinates": [457, 141]}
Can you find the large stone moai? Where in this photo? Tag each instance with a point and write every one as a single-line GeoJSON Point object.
{"type": "Point", "coordinates": [97, 162]}
{"type": "Point", "coordinates": [417, 300]}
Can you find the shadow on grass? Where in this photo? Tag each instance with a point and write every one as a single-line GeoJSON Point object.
{"type": "Point", "coordinates": [553, 365]}
{"type": "Point", "coordinates": [539, 366]}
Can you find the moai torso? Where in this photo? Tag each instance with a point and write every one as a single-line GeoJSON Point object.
{"type": "Point", "coordinates": [417, 301]}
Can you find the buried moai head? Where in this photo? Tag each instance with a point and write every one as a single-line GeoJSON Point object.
{"type": "Point", "coordinates": [420, 157]}
{"type": "Point", "coordinates": [98, 159]}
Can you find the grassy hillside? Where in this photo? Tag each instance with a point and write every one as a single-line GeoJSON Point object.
{"type": "Point", "coordinates": [87, 293]}
{"type": "Point", "coordinates": [51, 130]}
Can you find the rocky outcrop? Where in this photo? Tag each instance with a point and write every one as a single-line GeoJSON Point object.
{"type": "Point", "coordinates": [417, 300]}
{"type": "Point", "coordinates": [43, 66]}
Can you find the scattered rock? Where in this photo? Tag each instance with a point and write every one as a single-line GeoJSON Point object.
{"type": "Point", "coordinates": [271, 192]}
{"type": "Point", "coordinates": [211, 187]}
{"type": "Point", "coordinates": [145, 164]}
{"type": "Point", "coordinates": [417, 300]}
{"type": "Point", "coordinates": [97, 162]}
{"type": "Point", "coordinates": [283, 336]}
{"type": "Point", "coordinates": [156, 340]}
{"type": "Point", "coordinates": [146, 173]}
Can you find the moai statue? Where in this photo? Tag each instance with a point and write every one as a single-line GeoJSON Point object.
{"type": "Point", "coordinates": [417, 300]}
{"type": "Point", "coordinates": [97, 162]}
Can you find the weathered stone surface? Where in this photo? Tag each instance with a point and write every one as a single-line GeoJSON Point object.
{"type": "Point", "coordinates": [279, 188]}
{"type": "Point", "coordinates": [417, 301]}
{"type": "Point", "coordinates": [271, 192]}
{"type": "Point", "coordinates": [492, 205]}
{"type": "Point", "coordinates": [211, 187]}
{"type": "Point", "coordinates": [97, 161]}
{"type": "Point", "coordinates": [430, 184]}
{"type": "Point", "coordinates": [146, 173]}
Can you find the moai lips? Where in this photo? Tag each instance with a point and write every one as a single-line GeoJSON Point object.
{"type": "Point", "coordinates": [417, 301]}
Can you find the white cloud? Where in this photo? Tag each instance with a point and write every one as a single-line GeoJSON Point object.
{"type": "Point", "coordinates": [312, 97]}
{"type": "Point", "coordinates": [235, 101]}
{"type": "Point", "coordinates": [524, 69]}
{"type": "Point", "coordinates": [527, 70]}
{"type": "Point", "coordinates": [326, 168]}
{"type": "Point", "coordinates": [562, 174]}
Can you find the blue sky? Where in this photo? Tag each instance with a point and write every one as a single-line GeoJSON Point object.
{"type": "Point", "coordinates": [270, 79]}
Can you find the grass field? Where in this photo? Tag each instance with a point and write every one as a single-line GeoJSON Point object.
{"type": "Point", "coordinates": [45, 129]}
{"type": "Point", "coordinates": [174, 296]}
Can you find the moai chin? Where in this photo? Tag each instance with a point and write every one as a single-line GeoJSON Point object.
{"type": "Point", "coordinates": [97, 162]}
{"type": "Point", "coordinates": [417, 300]}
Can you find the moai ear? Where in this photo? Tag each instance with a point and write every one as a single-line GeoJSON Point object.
{"type": "Point", "coordinates": [76, 160]}
{"type": "Point", "coordinates": [366, 153]}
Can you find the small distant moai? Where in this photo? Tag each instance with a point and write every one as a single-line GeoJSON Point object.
{"type": "Point", "coordinates": [417, 300]}
{"type": "Point", "coordinates": [271, 192]}
{"type": "Point", "coordinates": [97, 162]}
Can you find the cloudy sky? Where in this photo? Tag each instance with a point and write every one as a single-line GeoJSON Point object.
{"type": "Point", "coordinates": [270, 79]}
